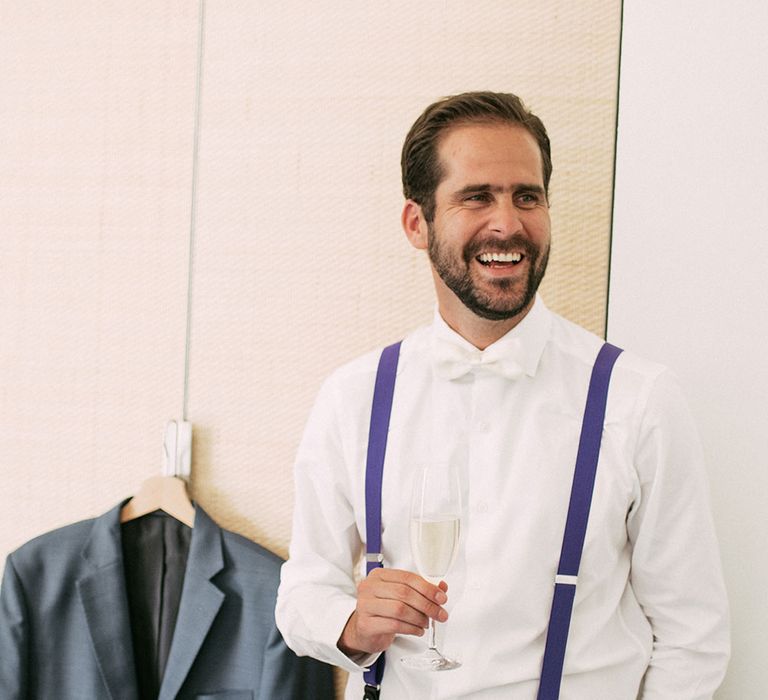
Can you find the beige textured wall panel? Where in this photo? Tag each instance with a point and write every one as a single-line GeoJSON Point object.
{"type": "Point", "coordinates": [300, 262]}
{"type": "Point", "coordinates": [95, 134]}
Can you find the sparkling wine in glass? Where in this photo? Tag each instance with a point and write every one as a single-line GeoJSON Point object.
{"type": "Point", "coordinates": [434, 528]}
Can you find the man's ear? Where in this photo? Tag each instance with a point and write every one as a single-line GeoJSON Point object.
{"type": "Point", "coordinates": [414, 224]}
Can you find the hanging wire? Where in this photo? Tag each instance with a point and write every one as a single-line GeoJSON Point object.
{"type": "Point", "coordinates": [193, 202]}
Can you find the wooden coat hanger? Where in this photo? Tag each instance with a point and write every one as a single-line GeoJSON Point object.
{"type": "Point", "coordinates": [167, 492]}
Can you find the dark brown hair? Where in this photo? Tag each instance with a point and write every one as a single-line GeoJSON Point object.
{"type": "Point", "coordinates": [421, 168]}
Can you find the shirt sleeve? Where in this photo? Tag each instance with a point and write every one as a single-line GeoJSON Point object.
{"type": "Point", "coordinates": [318, 591]}
{"type": "Point", "coordinates": [13, 636]}
{"type": "Point", "coordinates": [676, 573]}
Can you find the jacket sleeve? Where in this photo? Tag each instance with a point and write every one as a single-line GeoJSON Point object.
{"type": "Point", "coordinates": [290, 677]}
{"type": "Point", "coordinates": [676, 572]}
{"type": "Point", "coordinates": [14, 635]}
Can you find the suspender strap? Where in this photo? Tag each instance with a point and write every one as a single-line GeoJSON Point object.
{"type": "Point", "coordinates": [576, 523]}
{"type": "Point", "coordinates": [383, 392]}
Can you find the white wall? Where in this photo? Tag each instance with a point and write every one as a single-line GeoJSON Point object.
{"type": "Point", "coordinates": [689, 258]}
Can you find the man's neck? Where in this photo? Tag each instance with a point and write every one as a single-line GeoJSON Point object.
{"type": "Point", "coordinates": [481, 332]}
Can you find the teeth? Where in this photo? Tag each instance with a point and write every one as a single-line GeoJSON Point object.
{"type": "Point", "coordinates": [500, 257]}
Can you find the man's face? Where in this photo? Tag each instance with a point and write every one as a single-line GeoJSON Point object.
{"type": "Point", "coordinates": [490, 237]}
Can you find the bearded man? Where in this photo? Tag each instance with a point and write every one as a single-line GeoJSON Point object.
{"type": "Point", "coordinates": [496, 386]}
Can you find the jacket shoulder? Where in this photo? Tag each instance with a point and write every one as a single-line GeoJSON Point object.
{"type": "Point", "coordinates": [63, 540]}
{"type": "Point", "coordinates": [53, 557]}
{"type": "Point", "coordinates": [245, 554]}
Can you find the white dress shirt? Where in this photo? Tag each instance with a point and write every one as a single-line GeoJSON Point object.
{"type": "Point", "coordinates": [650, 603]}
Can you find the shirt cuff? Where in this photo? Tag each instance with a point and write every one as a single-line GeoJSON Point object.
{"type": "Point", "coordinates": [364, 661]}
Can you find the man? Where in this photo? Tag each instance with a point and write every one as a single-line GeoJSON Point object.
{"type": "Point", "coordinates": [497, 386]}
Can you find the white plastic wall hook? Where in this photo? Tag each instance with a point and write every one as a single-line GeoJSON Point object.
{"type": "Point", "coordinates": [177, 449]}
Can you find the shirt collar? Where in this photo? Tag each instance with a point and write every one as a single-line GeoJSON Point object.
{"type": "Point", "coordinates": [525, 342]}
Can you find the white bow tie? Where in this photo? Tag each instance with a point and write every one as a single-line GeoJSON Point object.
{"type": "Point", "coordinates": [453, 361]}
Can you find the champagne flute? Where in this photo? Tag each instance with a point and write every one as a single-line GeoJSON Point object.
{"type": "Point", "coordinates": [434, 528]}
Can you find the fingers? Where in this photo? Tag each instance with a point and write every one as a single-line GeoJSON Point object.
{"type": "Point", "coordinates": [381, 629]}
{"type": "Point", "coordinates": [404, 596]}
{"type": "Point", "coordinates": [408, 578]}
{"type": "Point", "coordinates": [369, 634]}
{"type": "Point", "coordinates": [403, 605]}
{"type": "Point", "coordinates": [390, 602]}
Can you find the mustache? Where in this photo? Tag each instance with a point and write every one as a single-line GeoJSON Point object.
{"type": "Point", "coordinates": [513, 243]}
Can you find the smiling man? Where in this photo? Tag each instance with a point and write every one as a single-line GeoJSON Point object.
{"type": "Point", "coordinates": [497, 386]}
{"type": "Point", "coordinates": [488, 235]}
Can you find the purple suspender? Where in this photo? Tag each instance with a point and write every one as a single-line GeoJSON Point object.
{"type": "Point", "coordinates": [576, 522]}
{"type": "Point", "coordinates": [374, 470]}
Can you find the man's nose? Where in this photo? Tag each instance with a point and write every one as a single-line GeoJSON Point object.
{"type": "Point", "coordinates": [505, 218]}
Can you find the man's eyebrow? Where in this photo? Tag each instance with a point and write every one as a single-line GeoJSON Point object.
{"type": "Point", "coordinates": [487, 187]}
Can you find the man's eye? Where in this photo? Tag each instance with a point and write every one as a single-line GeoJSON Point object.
{"type": "Point", "coordinates": [477, 197]}
{"type": "Point", "coordinates": [527, 200]}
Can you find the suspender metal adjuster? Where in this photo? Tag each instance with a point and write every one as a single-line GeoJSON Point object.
{"type": "Point", "coordinates": [378, 557]}
{"type": "Point", "coordinates": [567, 580]}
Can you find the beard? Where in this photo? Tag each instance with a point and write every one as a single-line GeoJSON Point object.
{"type": "Point", "coordinates": [506, 299]}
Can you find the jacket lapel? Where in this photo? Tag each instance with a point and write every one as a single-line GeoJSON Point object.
{"type": "Point", "coordinates": [200, 603]}
{"type": "Point", "coordinates": [105, 603]}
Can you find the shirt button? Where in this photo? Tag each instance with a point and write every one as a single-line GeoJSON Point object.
{"type": "Point", "coordinates": [483, 426]}
{"type": "Point", "coordinates": [481, 507]}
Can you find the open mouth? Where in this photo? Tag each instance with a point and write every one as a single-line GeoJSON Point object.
{"type": "Point", "coordinates": [499, 259]}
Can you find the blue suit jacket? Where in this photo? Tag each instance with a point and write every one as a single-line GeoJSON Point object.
{"type": "Point", "coordinates": [65, 628]}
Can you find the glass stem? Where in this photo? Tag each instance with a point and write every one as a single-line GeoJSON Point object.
{"type": "Point", "coordinates": [432, 634]}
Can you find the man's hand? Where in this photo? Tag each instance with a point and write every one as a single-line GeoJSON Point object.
{"type": "Point", "coordinates": [390, 602]}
